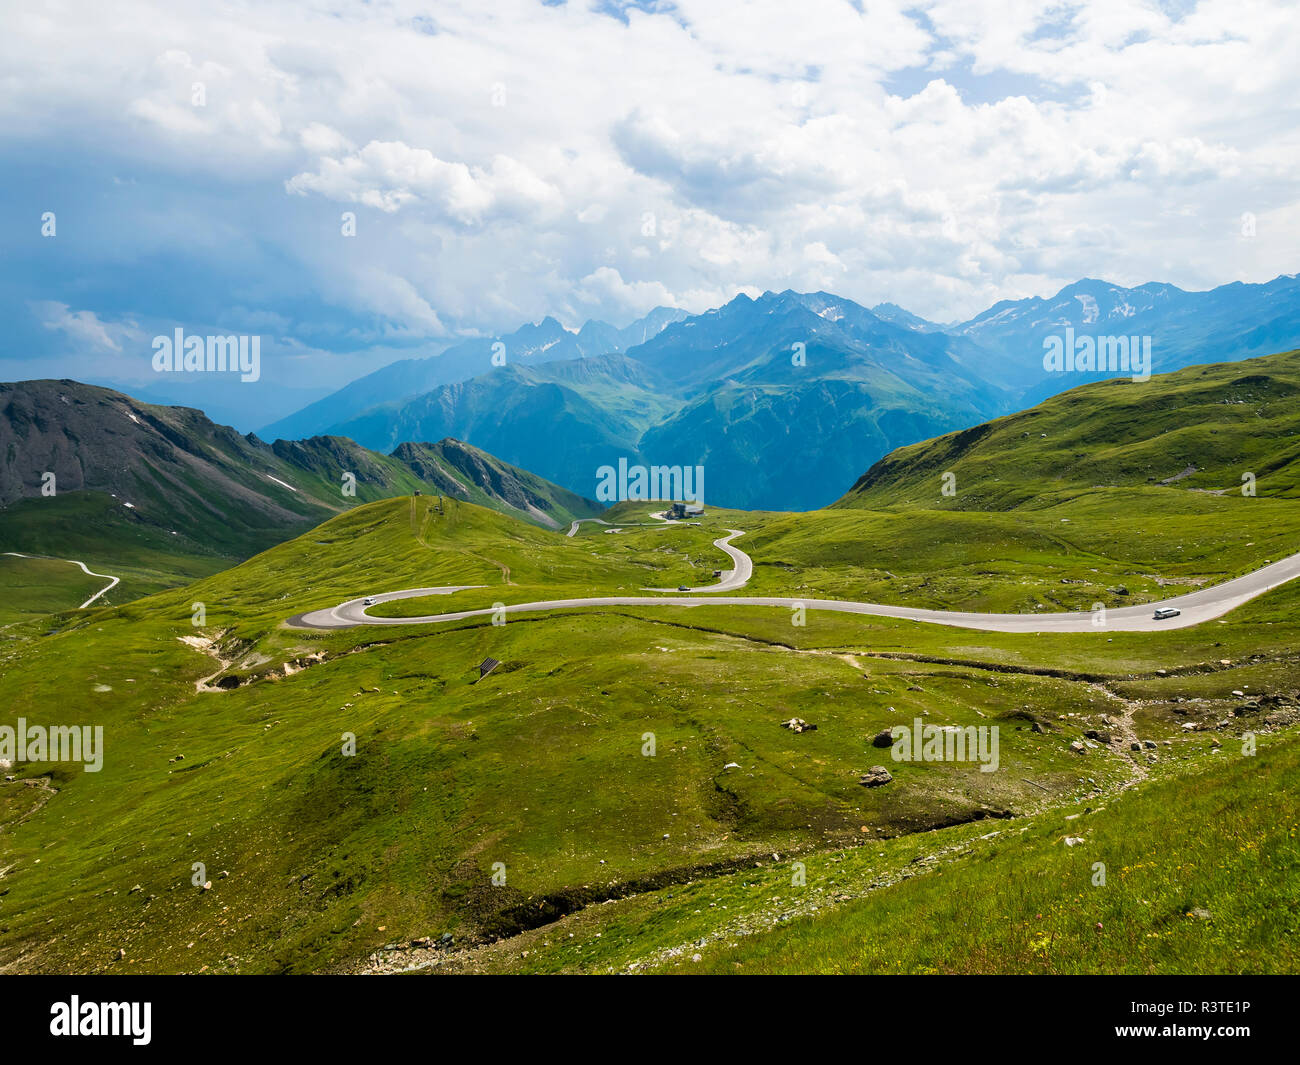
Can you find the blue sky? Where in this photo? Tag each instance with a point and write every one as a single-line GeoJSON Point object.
{"type": "Point", "coordinates": [509, 160]}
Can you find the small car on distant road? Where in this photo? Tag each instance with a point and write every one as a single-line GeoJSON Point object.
{"type": "Point", "coordinates": [368, 601]}
{"type": "Point", "coordinates": [683, 588]}
{"type": "Point", "coordinates": [1166, 612]}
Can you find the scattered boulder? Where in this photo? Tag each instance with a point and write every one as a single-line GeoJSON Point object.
{"type": "Point", "coordinates": [876, 777]}
{"type": "Point", "coordinates": [798, 724]}
{"type": "Point", "coordinates": [1077, 747]}
{"type": "Point", "coordinates": [884, 738]}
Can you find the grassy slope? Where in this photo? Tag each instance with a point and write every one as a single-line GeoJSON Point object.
{"type": "Point", "coordinates": [1224, 419]}
{"type": "Point", "coordinates": [539, 766]}
{"type": "Point", "coordinates": [98, 530]}
{"type": "Point", "coordinates": [1212, 890]}
{"type": "Point", "coordinates": [32, 587]}
{"type": "Point", "coordinates": [1164, 680]}
{"type": "Point", "coordinates": [1102, 547]}
{"type": "Point", "coordinates": [987, 897]}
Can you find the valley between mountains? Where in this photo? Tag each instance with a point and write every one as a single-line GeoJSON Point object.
{"type": "Point", "coordinates": [637, 786]}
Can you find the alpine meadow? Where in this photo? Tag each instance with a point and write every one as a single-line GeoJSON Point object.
{"type": "Point", "coordinates": [628, 487]}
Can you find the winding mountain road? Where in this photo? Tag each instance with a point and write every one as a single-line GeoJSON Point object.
{"type": "Point", "coordinates": [112, 581]}
{"type": "Point", "coordinates": [659, 522]}
{"type": "Point", "coordinates": [1204, 604]}
{"type": "Point", "coordinates": [732, 579]}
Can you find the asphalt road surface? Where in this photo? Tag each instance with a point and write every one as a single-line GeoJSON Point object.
{"type": "Point", "coordinates": [1196, 607]}
{"type": "Point", "coordinates": [731, 579]}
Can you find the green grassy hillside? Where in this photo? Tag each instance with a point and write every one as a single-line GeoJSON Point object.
{"type": "Point", "coordinates": [225, 746]}
{"type": "Point", "coordinates": [32, 587]}
{"type": "Point", "coordinates": [1197, 430]}
{"type": "Point", "coordinates": [1213, 890]}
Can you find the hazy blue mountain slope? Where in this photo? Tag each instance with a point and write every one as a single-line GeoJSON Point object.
{"type": "Point", "coordinates": [1231, 322]}
{"type": "Point", "coordinates": [560, 422]}
{"type": "Point", "coordinates": [728, 389]}
{"type": "Point", "coordinates": [531, 345]}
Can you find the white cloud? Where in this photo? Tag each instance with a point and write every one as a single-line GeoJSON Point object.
{"type": "Point", "coordinates": [396, 299]}
{"type": "Point", "coordinates": [605, 286]}
{"type": "Point", "coordinates": [320, 139]}
{"type": "Point", "coordinates": [388, 175]}
{"type": "Point", "coordinates": [938, 153]}
{"type": "Point", "coordinates": [83, 328]}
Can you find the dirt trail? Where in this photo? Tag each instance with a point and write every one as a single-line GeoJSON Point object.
{"type": "Point", "coordinates": [208, 645]}
{"type": "Point", "coordinates": [1124, 734]}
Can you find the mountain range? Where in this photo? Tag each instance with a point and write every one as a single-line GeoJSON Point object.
{"type": "Point", "coordinates": [1234, 321]}
{"type": "Point", "coordinates": [83, 466]}
{"type": "Point", "coordinates": [530, 345]}
{"type": "Point", "coordinates": [785, 398]}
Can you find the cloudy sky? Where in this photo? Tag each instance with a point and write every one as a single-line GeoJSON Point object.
{"type": "Point", "coordinates": [508, 159]}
